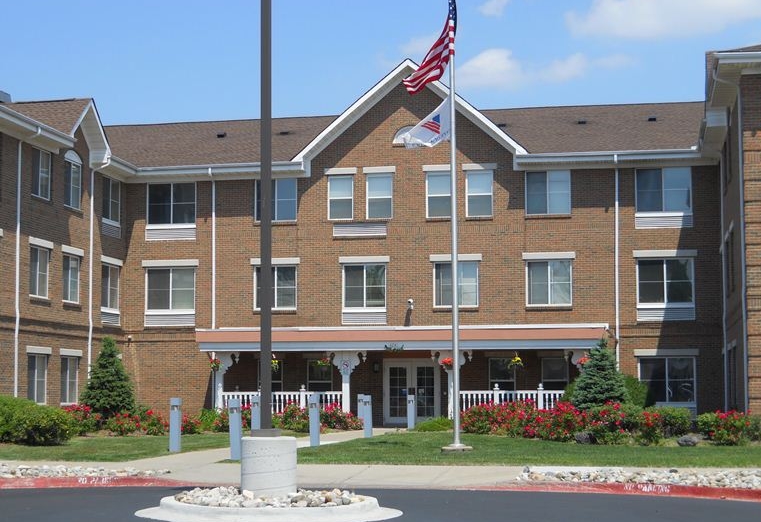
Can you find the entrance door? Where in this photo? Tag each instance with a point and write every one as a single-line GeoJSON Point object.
{"type": "Point", "coordinates": [401, 376]}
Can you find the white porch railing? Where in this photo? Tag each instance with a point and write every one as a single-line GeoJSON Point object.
{"type": "Point", "coordinates": [281, 399]}
{"type": "Point", "coordinates": [544, 399]}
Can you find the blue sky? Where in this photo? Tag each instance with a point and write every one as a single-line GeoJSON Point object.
{"type": "Point", "coordinates": [190, 60]}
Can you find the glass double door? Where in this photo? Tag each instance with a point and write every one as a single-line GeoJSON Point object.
{"type": "Point", "coordinates": [405, 376]}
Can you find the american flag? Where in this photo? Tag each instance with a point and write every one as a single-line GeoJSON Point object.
{"type": "Point", "coordinates": [434, 124]}
{"type": "Point", "coordinates": [435, 62]}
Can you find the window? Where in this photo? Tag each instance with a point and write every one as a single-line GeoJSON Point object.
{"type": "Point", "coordinates": [665, 281]}
{"type": "Point", "coordinates": [112, 190]}
{"type": "Point", "coordinates": [669, 379]}
{"type": "Point", "coordinates": [664, 190]}
{"type": "Point", "coordinates": [37, 377]}
{"type": "Point", "coordinates": [438, 195]}
{"type": "Point", "coordinates": [340, 197]}
{"type": "Point", "coordinates": [69, 380]}
{"type": "Point", "coordinates": [284, 283]}
{"type": "Point", "coordinates": [109, 287]}
{"type": "Point", "coordinates": [365, 286]}
{"type": "Point", "coordinates": [171, 289]}
{"type": "Point", "coordinates": [379, 196]}
{"type": "Point", "coordinates": [549, 282]}
{"type": "Point", "coordinates": [479, 194]}
{"type": "Point", "coordinates": [548, 192]}
{"type": "Point", "coordinates": [38, 271]}
{"type": "Point", "coordinates": [73, 181]}
{"type": "Point", "coordinates": [319, 376]}
{"type": "Point", "coordinates": [41, 173]}
{"type": "Point", "coordinates": [467, 283]}
{"type": "Point", "coordinates": [171, 203]}
{"type": "Point", "coordinates": [554, 373]}
{"type": "Point", "coordinates": [501, 374]}
{"type": "Point", "coordinates": [729, 260]}
{"type": "Point", "coordinates": [71, 278]}
{"type": "Point", "coordinates": [284, 199]}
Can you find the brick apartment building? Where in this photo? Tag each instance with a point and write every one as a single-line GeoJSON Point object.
{"type": "Point", "coordinates": [637, 223]}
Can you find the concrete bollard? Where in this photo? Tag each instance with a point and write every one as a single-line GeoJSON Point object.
{"type": "Point", "coordinates": [314, 419]}
{"type": "Point", "coordinates": [411, 410]}
{"type": "Point", "coordinates": [175, 424]}
{"type": "Point", "coordinates": [234, 414]}
{"type": "Point", "coordinates": [256, 413]}
{"type": "Point", "coordinates": [367, 415]}
{"type": "Point", "coordinates": [268, 466]}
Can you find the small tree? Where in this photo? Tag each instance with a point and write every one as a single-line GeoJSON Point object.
{"type": "Point", "coordinates": [600, 381]}
{"type": "Point", "coordinates": [109, 390]}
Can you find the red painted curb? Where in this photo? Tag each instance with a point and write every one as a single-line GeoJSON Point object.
{"type": "Point", "coordinates": [667, 490]}
{"type": "Point", "coordinates": [84, 482]}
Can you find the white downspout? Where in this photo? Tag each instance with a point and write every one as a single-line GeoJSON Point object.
{"type": "Point", "coordinates": [91, 270]}
{"type": "Point", "coordinates": [616, 268]}
{"type": "Point", "coordinates": [213, 277]}
{"type": "Point", "coordinates": [724, 281]}
{"type": "Point", "coordinates": [17, 288]}
{"type": "Point", "coordinates": [743, 269]}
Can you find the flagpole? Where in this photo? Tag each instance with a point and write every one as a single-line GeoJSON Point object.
{"type": "Point", "coordinates": [456, 444]}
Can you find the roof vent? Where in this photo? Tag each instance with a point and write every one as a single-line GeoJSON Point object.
{"type": "Point", "coordinates": [502, 125]}
{"type": "Point", "coordinates": [652, 118]}
{"type": "Point", "coordinates": [284, 133]}
{"type": "Point", "coordinates": [582, 122]}
{"type": "Point", "coordinates": [221, 135]}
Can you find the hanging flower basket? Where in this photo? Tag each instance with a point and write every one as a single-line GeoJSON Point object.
{"type": "Point", "coordinates": [215, 364]}
{"type": "Point", "coordinates": [447, 363]}
{"type": "Point", "coordinates": [325, 361]}
{"type": "Point", "coordinates": [394, 347]}
{"type": "Point", "coordinates": [275, 364]}
{"type": "Point", "coordinates": [515, 362]}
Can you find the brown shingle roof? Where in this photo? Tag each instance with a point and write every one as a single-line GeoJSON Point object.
{"type": "Point", "coordinates": [197, 143]}
{"type": "Point", "coordinates": [606, 127]}
{"type": "Point", "coordinates": [62, 115]}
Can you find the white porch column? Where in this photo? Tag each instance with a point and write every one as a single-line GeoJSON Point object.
{"type": "Point", "coordinates": [439, 357]}
{"type": "Point", "coordinates": [346, 361]}
{"type": "Point", "coordinates": [226, 359]}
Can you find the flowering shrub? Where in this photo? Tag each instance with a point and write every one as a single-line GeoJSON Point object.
{"type": "Point", "coordinates": [608, 424]}
{"type": "Point", "coordinates": [292, 418]}
{"type": "Point", "coordinates": [152, 423]}
{"type": "Point", "coordinates": [334, 418]}
{"type": "Point", "coordinates": [84, 419]}
{"type": "Point", "coordinates": [508, 418]}
{"type": "Point", "coordinates": [123, 424]}
{"type": "Point", "coordinates": [190, 425]}
{"type": "Point", "coordinates": [725, 428]}
{"type": "Point", "coordinates": [650, 428]}
{"type": "Point", "coordinates": [557, 424]}
{"type": "Point", "coordinates": [221, 421]}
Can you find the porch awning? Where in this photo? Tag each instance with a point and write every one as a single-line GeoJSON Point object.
{"type": "Point", "coordinates": [496, 337]}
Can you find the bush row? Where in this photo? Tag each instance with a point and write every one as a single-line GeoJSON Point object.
{"type": "Point", "coordinates": [25, 422]}
{"type": "Point", "coordinates": [612, 423]}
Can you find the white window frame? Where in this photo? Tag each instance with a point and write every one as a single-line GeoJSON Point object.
{"type": "Point", "coordinates": [42, 179]}
{"type": "Point", "coordinates": [109, 201]}
{"type": "Point", "coordinates": [374, 176]}
{"type": "Point", "coordinates": [170, 310]}
{"type": "Point", "coordinates": [34, 380]}
{"type": "Point", "coordinates": [72, 186]}
{"type": "Point", "coordinates": [549, 258]}
{"type": "Point", "coordinates": [665, 171]}
{"type": "Point", "coordinates": [70, 278]}
{"type": "Point", "coordinates": [365, 267]}
{"type": "Point", "coordinates": [664, 258]}
{"type": "Point", "coordinates": [462, 264]}
{"type": "Point", "coordinates": [112, 267]}
{"type": "Point", "coordinates": [38, 278]}
{"type": "Point", "coordinates": [438, 174]}
{"type": "Point", "coordinates": [172, 203]}
{"type": "Point", "coordinates": [334, 178]}
{"type": "Point", "coordinates": [275, 269]}
{"type": "Point", "coordinates": [471, 193]}
{"type": "Point", "coordinates": [560, 176]}
{"type": "Point", "coordinates": [277, 200]}
{"type": "Point", "coordinates": [69, 382]}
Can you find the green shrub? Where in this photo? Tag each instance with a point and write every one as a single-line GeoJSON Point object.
{"type": "Point", "coordinates": [637, 392]}
{"type": "Point", "coordinates": [724, 428]}
{"type": "Point", "coordinates": [676, 421]}
{"type": "Point", "coordinates": [434, 424]}
{"type": "Point", "coordinates": [123, 423]}
{"type": "Point", "coordinates": [83, 418]}
{"type": "Point", "coordinates": [650, 428]}
{"type": "Point", "coordinates": [9, 406]}
{"type": "Point", "coordinates": [109, 390]}
{"type": "Point", "coordinates": [41, 426]}
{"type": "Point", "coordinates": [754, 430]}
{"type": "Point", "coordinates": [600, 382]}
{"type": "Point", "coordinates": [207, 418]}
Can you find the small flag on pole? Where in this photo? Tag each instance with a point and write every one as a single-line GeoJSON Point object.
{"type": "Point", "coordinates": [433, 129]}
{"type": "Point", "coordinates": [435, 62]}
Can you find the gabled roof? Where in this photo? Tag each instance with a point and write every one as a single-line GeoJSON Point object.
{"type": "Point", "coordinates": [66, 117]}
{"type": "Point", "coordinates": [211, 142]}
{"type": "Point", "coordinates": [598, 128]}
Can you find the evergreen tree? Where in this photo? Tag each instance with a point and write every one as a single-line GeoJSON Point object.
{"type": "Point", "coordinates": [109, 390]}
{"type": "Point", "coordinates": [600, 381]}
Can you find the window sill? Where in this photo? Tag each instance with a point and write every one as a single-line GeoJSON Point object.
{"type": "Point", "coordinates": [479, 218]}
{"type": "Point", "coordinates": [463, 308]}
{"type": "Point", "coordinates": [279, 311]}
{"type": "Point", "coordinates": [547, 216]}
{"type": "Point", "coordinates": [542, 308]}
{"type": "Point", "coordinates": [283, 223]}
{"type": "Point", "coordinates": [39, 299]}
{"type": "Point", "coordinates": [74, 209]}
{"type": "Point", "coordinates": [41, 198]}
{"type": "Point", "coordinates": [72, 305]}
{"type": "Point", "coordinates": [439, 218]}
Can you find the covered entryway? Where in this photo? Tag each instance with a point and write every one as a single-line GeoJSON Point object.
{"type": "Point", "coordinates": [400, 376]}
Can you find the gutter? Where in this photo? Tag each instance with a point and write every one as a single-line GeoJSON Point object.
{"type": "Point", "coordinates": [17, 282]}
{"type": "Point", "coordinates": [743, 267]}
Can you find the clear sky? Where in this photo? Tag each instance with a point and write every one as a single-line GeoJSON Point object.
{"type": "Point", "coordinates": [147, 61]}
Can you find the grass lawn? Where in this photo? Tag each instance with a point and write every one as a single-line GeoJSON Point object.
{"type": "Point", "coordinates": [425, 448]}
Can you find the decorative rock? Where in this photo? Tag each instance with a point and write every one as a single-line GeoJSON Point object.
{"type": "Point", "coordinates": [584, 437]}
{"type": "Point", "coordinates": [688, 440]}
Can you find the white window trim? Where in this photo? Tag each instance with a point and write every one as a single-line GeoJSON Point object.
{"type": "Point", "coordinates": [662, 213]}
{"type": "Point", "coordinates": [276, 261]}
{"type": "Point", "coordinates": [447, 258]}
{"type": "Point", "coordinates": [390, 197]}
{"type": "Point", "coordinates": [50, 174]}
{"type": "Point", "coordinates": [428, 194]}
{"type": "Point", "coordinates": [111, 261]}
{"type": "Point", "coordinates": [170, 311]}
{"type": "Point", "coordinates": [48, 251]}
{"type": "Point", "coordinates": [67, 352]}
{"type": "Point", "coordinates": [274, 207]}
{"type": "Point", "coordinates": [167, 226]}
{"type": "Point", "coordinates": [543, 257]}
{"type": "Point", "coordinates": [664, 254]}
{"type": "Point", "coordinates": [79, 272]}
{"type": "Point", "coordinates": [667, 305]}
{"type": "Point", "coordinates": [547, 193]}
{"type": "Point", "coordinates": [369, 260]}
{"type": "Point", "coordinates": [332, 172]}
{"type": "Point", "coordinates": [72, 251]}
{"type": "Point", "coordinates": [548, 256]}
{"type": "Point", "coordinates": [114, 263]}
{"type": "Point", "coordinates": [170, 263]}
{"type": "Point", "coordinates": [74, 159]}
{"type": "Point", "coordinates": [109, 220]}
{"type": "Point", "coordinates": [295, 283]}
{"type": "Point", "coordinates": [465, 258]}
{"type": "Point", "coordinates": [76, 378]}
{"type": "Point", "coordinates": [468, 193]}
{"type": "Point", "coordinates": [683, 354]}
{"type": "Point", "coordinates": [42, 243]}
{"type": "Point", "coordinates": [666, 352]}
{"type": "Point", "coordinates": [39, 350]}
{"type": "Point", "coordinates": [364, 260]}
